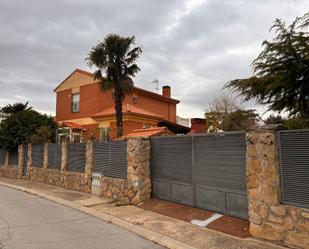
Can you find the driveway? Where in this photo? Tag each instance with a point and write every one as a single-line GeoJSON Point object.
{"type": "Point", "coordinates": [30, 222]}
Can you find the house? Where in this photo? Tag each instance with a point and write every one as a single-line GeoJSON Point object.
{"type": "Point", "coordinates": [84, 111]}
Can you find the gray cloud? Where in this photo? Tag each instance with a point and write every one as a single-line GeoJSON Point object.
{"type": "Point", "coordinates": [196, 46]}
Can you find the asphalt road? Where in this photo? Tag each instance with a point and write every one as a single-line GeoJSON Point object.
{"type": "Point", "coordinates": [30, 222]}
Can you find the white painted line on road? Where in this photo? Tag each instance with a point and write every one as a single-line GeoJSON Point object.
{"type": "Point", "coordinates": [205, 223]}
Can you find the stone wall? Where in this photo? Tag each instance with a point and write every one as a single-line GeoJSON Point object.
{"type": "Point", "coordinates": [61, 177]}
{"type": "Point", "coordinates": [58, 177]}
{"type": "Point", "coordinates": [136, 188]}
{"type": "Point", "coordinates": [67, 179]}
{"type": "Point", "coordinates": [269, 220]}
{"type": "Point", "coordinates": [8, 170]}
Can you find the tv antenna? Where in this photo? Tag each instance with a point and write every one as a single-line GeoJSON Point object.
{"type": "Point", "coordinates": [155, 81]}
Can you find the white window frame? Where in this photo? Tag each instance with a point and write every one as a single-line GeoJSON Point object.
{"type": "Point", "coordinates": [75, 108]}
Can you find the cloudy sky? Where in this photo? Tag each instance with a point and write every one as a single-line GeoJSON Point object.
{"type": "Point", "coordinates": [195, 46]}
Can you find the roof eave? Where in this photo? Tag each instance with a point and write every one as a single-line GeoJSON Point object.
{"type": "Point", "coordinates": [128, 113]}
{"type": "Point", "coordinates": [135, 88]}
{"type": "Point", "coordinates": [143, 91]}
{"type": "Point", "coordinates": [76, 70]}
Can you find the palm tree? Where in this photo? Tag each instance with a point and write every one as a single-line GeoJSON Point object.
{"type": "Point", "coordinates": [13, 109]}
{"type": "Point", "coordinates": [115, 57]}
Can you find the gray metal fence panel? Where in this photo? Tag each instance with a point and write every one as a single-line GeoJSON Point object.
{"type": "Point", "coordinates": [294, 161]}
{"type": "Point", "coordinates": [171, 159]}
{"type": "Point", "coordinates": [110, 158]}
{"type": "Point", "coordinates": [2, 157]}
{"type": "Point", "coordinates": [101, 158]}
{"type": "Point", "coordinates": [54, 156]}
{"type": "Point", "coordinates": [183, 193]}
{"type": "Point", "coordinates": [210, 199]}
{"type": "Point", "coordinates": [77, 157]}
{"type": "Point", "coordinates": [13, 158]}
{"type": "Point", "coordinates": [220, 160]}
{"type": "Point", "coordinates": [162, 189]}
{"type": "Point", "coordinates": [118, 159]}
{"type": "Point", "coordinates": [237, 204]}
{"type": "Point", "coordinates": [205, 171]}
{"type": "Point", "coordinates": [37, 155]}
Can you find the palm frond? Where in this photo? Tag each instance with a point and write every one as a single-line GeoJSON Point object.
{"type": "Point", "coordinates": [116, 59]}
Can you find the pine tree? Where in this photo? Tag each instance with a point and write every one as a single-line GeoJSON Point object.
{"type": "Point", "coordinates": [281, 71]}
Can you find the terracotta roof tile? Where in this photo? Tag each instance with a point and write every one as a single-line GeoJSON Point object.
{"type": "Point", "coordinates": [149, 132]}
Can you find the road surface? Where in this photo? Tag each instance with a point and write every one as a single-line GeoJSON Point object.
{"type": "Point", "coordinates": [30, 222]}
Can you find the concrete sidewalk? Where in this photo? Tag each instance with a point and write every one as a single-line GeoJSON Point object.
{"type": "Point", "coordinates": [164, 230]}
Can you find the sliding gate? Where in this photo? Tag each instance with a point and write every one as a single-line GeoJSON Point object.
{"type": "Point", "coordinates": [204, 171]}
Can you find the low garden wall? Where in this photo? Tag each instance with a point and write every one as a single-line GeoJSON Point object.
{"type": "Point", "coordinates": [61, 177]}
{"type": "Point", "coordinates": [7, 169]}
{"type": "Point", "coordinates": [135, 188]}
{"type": "Point", "coordinates": [269, 219]}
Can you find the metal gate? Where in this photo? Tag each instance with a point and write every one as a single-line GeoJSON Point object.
{"type": "Point", "coordinates": [205, 171]}
{"type": "Point", "coordinates": [294, 162]}
{"type": "Point", "coordinates": [110, 159]}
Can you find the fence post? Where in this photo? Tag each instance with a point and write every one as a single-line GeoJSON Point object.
{"type": "Point", "coordinates": [269, 218]}
{"type": "Point", "coordinates": [88, 166]}
{"type": "Point", "coordinates": [139, 180]}
{"type": "Point", "coordinates": [20, 160]}
{"type": "Point", "coordinates": [64, 156]}
{"type": "Point", "coordinates": [6, 162]}
{"type": "Point", "coordinates": [262, 180]}
{"type": "Point", "coordinates": [29, 161]}
{"type": "Point", "coordinates": [45, 156]}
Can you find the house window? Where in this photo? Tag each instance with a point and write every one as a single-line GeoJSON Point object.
{"type": "Point", "coordinates": [105, 133]}
{"type": "Point", "coordinates": [134, 99]}
{"type": "Point", "coordinates": [75, 102]}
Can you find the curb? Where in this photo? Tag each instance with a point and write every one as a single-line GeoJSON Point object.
{"type": "Point", "coordinates": [145, 233]}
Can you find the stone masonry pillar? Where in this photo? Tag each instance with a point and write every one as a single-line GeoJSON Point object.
{"type": "Point", "coordinates": [139, 178]}
{"type": "Point", "coordinates": [263, 181]}
{"type": "Point", "coordinates": [45, 157]}
{"type": "Point", "coordinates": [89, 166]}
{"type": "Point", "coordinates": [6, 161]}
{"type": "Point", "coordinates": [20, 160]}
{"type": "Point", "coordinates": [64, 157]}
{"type": "Point", "coordinates": [29, 161]}
{"type": "Point", "coordinates": [270, 219]}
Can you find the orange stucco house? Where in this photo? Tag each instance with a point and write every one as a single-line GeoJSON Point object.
{"type": "Point", "coordinates": [82, 106]}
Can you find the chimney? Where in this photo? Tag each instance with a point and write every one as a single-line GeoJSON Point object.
{"type": "Point", "coordinates": [166, 91]}
{"type": "Point", "coordinates": [198, 125]}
